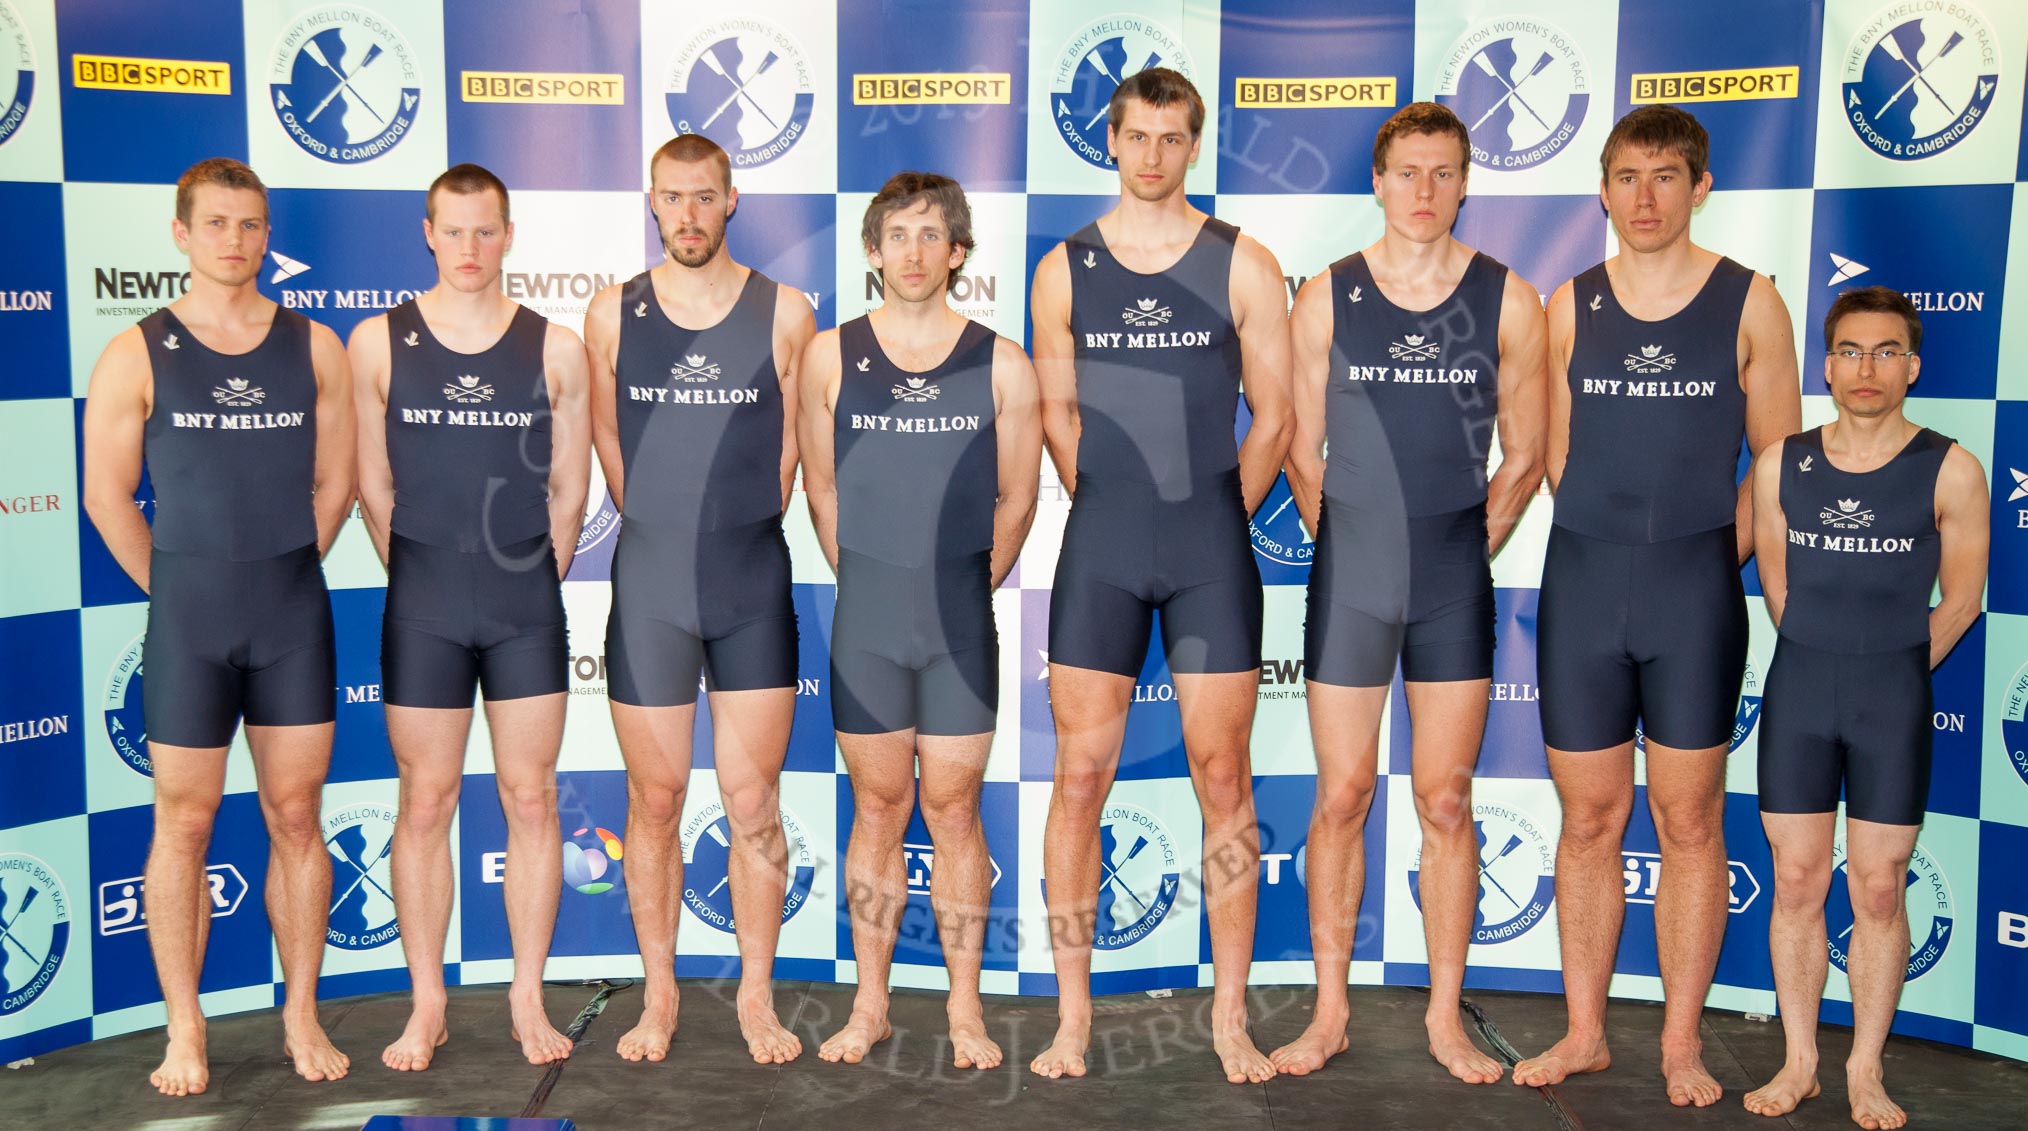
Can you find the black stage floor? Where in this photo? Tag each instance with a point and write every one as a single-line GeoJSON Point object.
{"type": "Point", "coordinates": [1151, 1068]}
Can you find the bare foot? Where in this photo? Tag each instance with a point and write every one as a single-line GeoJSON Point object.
{"type": "Point", "coordinates": [540, 1042]}
{"type": "Point", "coordinates": [1567, 1057]}
{"type": "Point", "coordinates": [1322, 1040]}
{"type": "Point", "coordinates": [419, 1041]}
{"type": "Point", "coordinates": [970, 1046]}
{"type": "Point", "coordinates": [1243, 1063]}
{"type": "Point", "coordinates": [1689, 1085]}
{"type": "Point", "coordinates": [1456, 1052]}
{"type": "Point", "coordinates": [649, 1040]}
{"type": "Point", "coordinates": [1065, 1054]}
{"type": "Point", "coordinates": [1871, 1108]}
{"type": "Point", "coordinates": [766, 1038]}
{"type": "Point", "coordinates": [183, 1071]}
{"type": "Point", "coordinates": [852, 1043]}
{"type": "Point", "coordinates": [1780, 1096]}
{"type": "Point", "coordinates": [316, 1057]}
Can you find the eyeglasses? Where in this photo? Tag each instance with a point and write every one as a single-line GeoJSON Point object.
{"type": "Point", "coordinates": [1881, 357]}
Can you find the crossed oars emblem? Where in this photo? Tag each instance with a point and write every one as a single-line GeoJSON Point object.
{"type": "Point", "coordinates": [1513, 88]}
{"type": "Point", "coordinates": [316, 55]}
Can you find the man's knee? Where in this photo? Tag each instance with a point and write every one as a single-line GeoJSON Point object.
{"type": "Point", "coordinates": [1345, 801]}
{"type": "Point", "coordinates": [1878, 893]}
{"type": "Point", "coordinates": [753, 810]}
{"type": "Point", "coordinates": [1691, 826]}
{"type": "Point", "coordinates": [654, 805]}
{"type": "Point", "coordinates": [1446, 808]}
{"type": "Point", "coordinates": [1802, 883]}
{"type": "Point", "coordinates": [950, 817]}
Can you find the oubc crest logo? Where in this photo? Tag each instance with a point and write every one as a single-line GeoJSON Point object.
{"type": "Point", "coordinates": [694, 368]}
{"type": "Point", "coordinates": [1522, 86]}
{"type": "Point", "coordinates": [1146, 312]}
{"type": "Point", "coordinates": [1413, 347]}
{"type": "Point", "coordinates": [236, 393]}
{"type": "Point", "coordinates": [1916, 86]}
{"type": "Point", "coordinates": [120, 706]}
{"type": "Point", "coordinates": [1850, 514]}
{"type": "Point", "coordinates": [1930, 913]}
{"type": "Point", "coordinates": [746, 84]}
{"type": "Point", "coordinates": [19, 49]}
{"type": "Point", "coordinates": [346, 85]}
{"type": "Point", "coordinates": [1517, 874]}
{"type": "Point", "coordinates": [707, 859]}
{"type": "Point", "coordinates": [34, 930]}
{"type": "Point", "coordinates": [359, 838]}
{"type": "Point", "coordinates": [467, 389]}
{"type": "Point", "coordinates": [915, 390]}
{"type": "Point", "coordinates": [1093, 63]}
{"type": "Point", "coordinates": [1650, 359]}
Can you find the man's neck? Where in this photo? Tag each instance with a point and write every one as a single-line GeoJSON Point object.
{"type": "Point", "coordinates": [1871, 436]}
{"type": "Point", "coordinates": [1414, 260]}
{"type": "Point", "coordinates": [718, 275]}
{"type": "Point", "coordinates": [901, 321]}
{"type": "Point", "coordinates": [212, 303]}
{"type": "Point", "coordinates": [445, 307]}
{"type": "Point", "coordinates": [1152, 222]}
{"type": "Point", "coordinates": [1662, 270]}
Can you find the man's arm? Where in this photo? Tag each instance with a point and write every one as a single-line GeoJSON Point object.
{"type": "Point", "coordinates": [795, 325]}
{"type": "Point", "coordinates": [1562, 318]}
{"type": "Point", "coordinates": [115, 429]}
{"type": "Point", "coordinates": [819, 392]}
{"type": "Point", "coordinates": [602, 352]}
{"type": "Point", "coordinates": [1311, 325]}
{"type": "Point", "coordinates": [565, 369]}
{"type": "Point", "coordinates": [337, 453]}
{"type": "Point", "coordinates": [1017, 432]}
{"type": "Point", "coordinates": [1056, 363]}
{"type": "Point", "coordinates": [1774, 395]}
{"type": "Point", "coordinates": [368, 352]}
{"type": "Point", "coordinates": [1770, 532]}
{"type": "Point", "coordinates": [1963, 510]}
{"type": "Point", "coordinates": [1524, 409]}
{"type": "Point", "coordinates": [1260, 307]}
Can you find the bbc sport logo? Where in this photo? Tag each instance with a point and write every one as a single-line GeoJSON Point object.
{"type": "Point", "coordinates": [1917, 86]}
{"type": "Point", "coordinates": [34, 930]}
{"type": "Point", "coordinates": [1521, 85]}
{"type": "Point", "coordinates": [746, 84]}
{"type": "Point", "coordinates": [345, 84]}
{"type": "Point", "coordinates": [1093, 63]}
{"type": "Point", "coordinates": [20, 48]}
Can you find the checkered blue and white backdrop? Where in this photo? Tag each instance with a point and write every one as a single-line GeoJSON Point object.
{"type": "Point", "coordinates": [1852, 140]}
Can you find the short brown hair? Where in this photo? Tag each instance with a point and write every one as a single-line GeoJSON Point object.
{"type": "Point", "coordinates": [1420, 118]}
{"type": "Point", "coordinates": [221, 171]}
{"type": "Point", "coordinates": [1660, 128]}
{"type": "Point", "coordinates": [465, 180]}
{"type": "Point", "coordinates": [1158, 87]}
{"type": "Point", "coordinates": [1873, 300]}
{"type": "Point", "coordinates": [904, 191]}
{"type": "Point", "coordinates": [690, 149]}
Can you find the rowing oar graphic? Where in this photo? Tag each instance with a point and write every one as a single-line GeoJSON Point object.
{"type": "Point", "coordinates": [738, 86]}
{"type": "Point", "coordinates": [1112, 872]}
{"type": "Point", "coordinates": [1513, 89]}
{"type": "Point", "coordinates": [1513, 842]}
{"type": "Point", "coordinates": [344, 80]}
{"type": "Point", "coordinates": [1915, 72]}
{"type": "Point", "coordinates": [1153, 58]}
